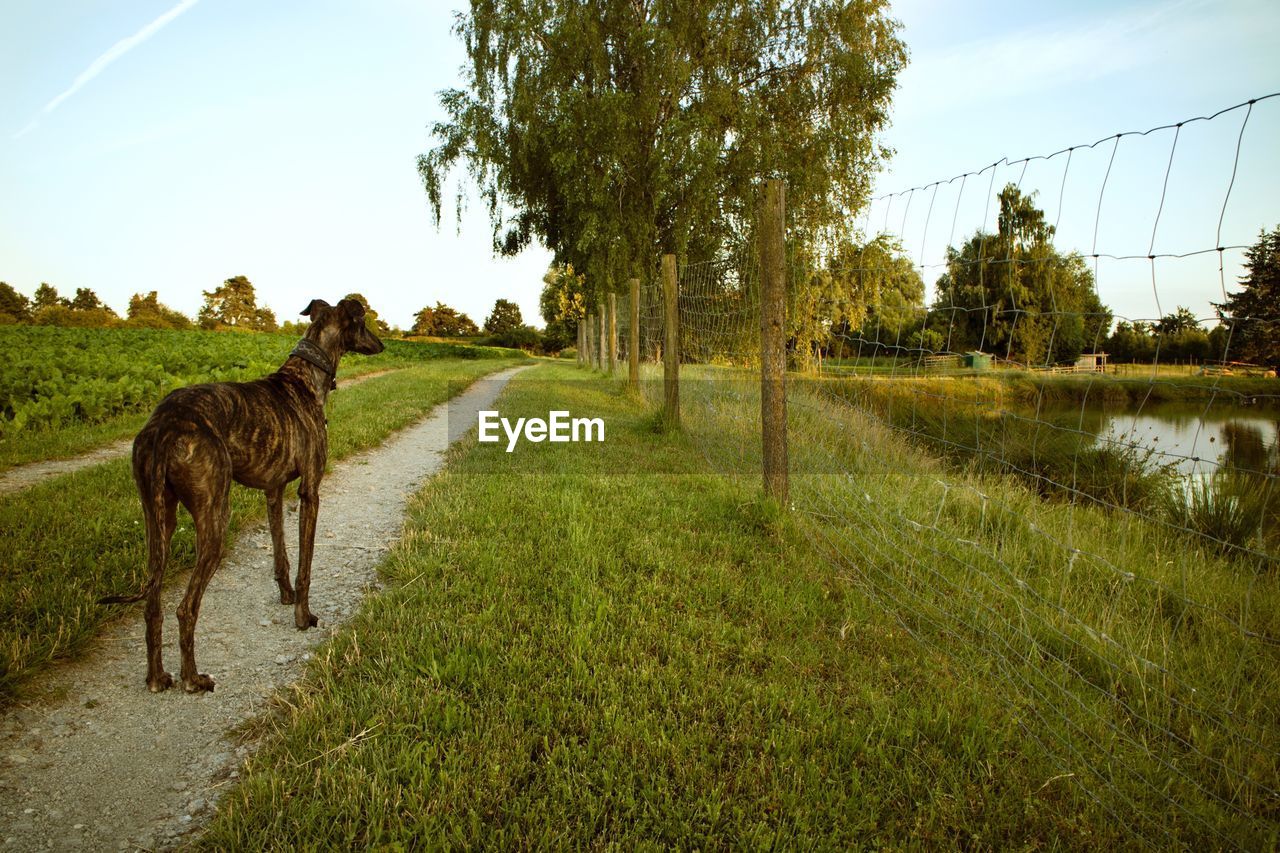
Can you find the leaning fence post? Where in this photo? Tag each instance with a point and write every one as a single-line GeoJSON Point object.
{"type": "Point", "coordinates": [633, 336]}
{"type": "Point", "coordinates": [613, 333]}
{"type": "Point", "coordinates": [670, 342]}
{"type": "Point", "coordinates": [773, 340]}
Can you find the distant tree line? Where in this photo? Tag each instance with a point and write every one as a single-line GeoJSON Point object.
{"type": "Point", "coordinates": [1012, 293]}
{"type": "Point", "coordinates": [232, 306]}
{"type": "Point", "coordinates": [504, 327]}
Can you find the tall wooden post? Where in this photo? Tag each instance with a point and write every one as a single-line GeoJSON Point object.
{"type": "Point", "coordinates": [633, 336]}
{"type": "Point", "coordinates": [670, 342]}
{"type": "Point", "coordinates": [613, 333]}
{"type": "Point", "coordinates": [601, 356]}
{"type": "Point", "coordinates": [582, 354]}
{"type": "Point", "coordinates": [589, 335]}
{"type": "Point", "coordinates": [773, 339]}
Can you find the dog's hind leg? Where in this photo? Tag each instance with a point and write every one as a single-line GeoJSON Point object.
{"type": "Point", "coordinates": [211, 510]}
{"type": "Point", "coordinates": [308, 508]}
{"type": "Point", "coordinates": [275, 517]}
{"type": "Point", "coordinates": [158, 548]}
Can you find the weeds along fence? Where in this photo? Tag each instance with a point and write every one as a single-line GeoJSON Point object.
{"type": "Point", "coordinates": [1096, 543]}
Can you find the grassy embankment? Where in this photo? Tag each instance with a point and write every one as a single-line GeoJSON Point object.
{"type": "Point", "coordinates": [150, 356]}
{"type": "Point", "coordinates": [1133, 384]}
{"type": "Point", "coordinates": [71, 539]}
{"type": "Point", "coordinates": [1047, 431]}
{"type": "Point", "coordinates": [586, 645]}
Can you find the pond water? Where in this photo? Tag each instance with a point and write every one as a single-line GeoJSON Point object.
{"type": "Point", "coordinates": [1197, 438]}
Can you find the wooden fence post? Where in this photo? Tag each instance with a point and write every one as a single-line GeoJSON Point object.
{"type": "Point", "coordinates": [590, 335]}
{"type": "Point", "coordinates": [773, 340]}
{"type": "Point", "coordinates": [613, 333]}
{"type": "Point", "coordinates": [633, 336]}
{"type": "Point", "coordinates": [670, 342]}
{"type": "Point", "coordinates": [582, 354]}
{"type": "Point", "coordinates": [600, 336]}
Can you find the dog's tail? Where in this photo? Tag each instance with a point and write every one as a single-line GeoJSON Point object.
{"type": "Point", "coordinates": [150, 470]}
{"type": "Point", "coordinates": [123, 599]}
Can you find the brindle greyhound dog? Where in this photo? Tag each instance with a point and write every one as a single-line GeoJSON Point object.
{"type": "Point", "coordinates": [262, 434]}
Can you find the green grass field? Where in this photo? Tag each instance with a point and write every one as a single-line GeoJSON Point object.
{"type": "Point", "coordinates": [66, 391]}
{"type": "Point", "coordinates": [622, 645]}
{"type": "Point", "coordinates": [72, 539]}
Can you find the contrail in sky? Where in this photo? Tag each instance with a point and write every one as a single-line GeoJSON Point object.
{"type": "Point", "coordinates": [113, 53]}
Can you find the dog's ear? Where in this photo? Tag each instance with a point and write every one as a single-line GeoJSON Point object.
{"type": "Point", "coordinates": [353, 307]}
{"type": "Point", "coordinates": [313, 307]}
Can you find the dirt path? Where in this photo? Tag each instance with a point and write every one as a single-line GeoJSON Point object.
{"type": "Point", "coordinates": [20, 477]}
{"type": "Point", "coordinates": [98, 762]}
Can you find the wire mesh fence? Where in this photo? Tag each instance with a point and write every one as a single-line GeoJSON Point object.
{"type": "Point", "coordinates": [1019, 423]}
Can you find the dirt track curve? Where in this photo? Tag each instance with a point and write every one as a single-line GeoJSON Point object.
{"type": "Point", "coordinates": [97, 762]}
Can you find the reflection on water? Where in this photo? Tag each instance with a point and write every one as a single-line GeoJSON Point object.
{"type": "Point", "coordinates": [1198, 440]}
{"type": "Point", "coordinates": [1228, 459]}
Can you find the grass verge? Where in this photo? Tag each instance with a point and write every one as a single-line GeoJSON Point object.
{"type": "Point", "coordinates": [71, 539]}
{"type": "Point", "coordinates": [618, 645]}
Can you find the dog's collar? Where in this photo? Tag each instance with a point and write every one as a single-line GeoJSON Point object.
{"type": "Point", "coordinates": [313, 355]}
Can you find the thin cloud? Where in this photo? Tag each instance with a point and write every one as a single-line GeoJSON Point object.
{"type": "Point", "coordinates": [113, 53]}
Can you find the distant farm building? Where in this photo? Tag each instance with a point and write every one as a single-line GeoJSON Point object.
{"type": "Point", "coordinates": [1091, 362]}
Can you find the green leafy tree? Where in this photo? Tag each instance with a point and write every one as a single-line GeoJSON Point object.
{"type": "Point", "coordinates": [1181, 320]}
{"type": "Point", "coordinates": [504, 317]}
{"type": "Point", "coordinates": [894, 292]}
{"type": "Point", "coordinates": [234, 305]}
{"type": "Point", "coordinates": [1254, 311]}
{"type": "Point", "coordinates": [517, 337]}
{"type": "Point", "coordinates": [563, 303]}
{"type": "Point", "coordinates": [444, 322]}
{"type": "Point", "coordinates": [371, 320]}
{"type": "Point", "coordinates": [1014, 294]}
{"type": "Point", "coordinates": [614, 130]}
{"type": "Point", "coordinates": [14, 306]}
{"type": "Point", "coordinates": [86, 310]}
{"type": "Point", "coordinates": [1132, 342]}
{"type": "Point", "coordinates": [86, 300]}
{"type": "Point", "coordinates": [148, 312]}
{"type": "Point", "coordinates": [46, 296]}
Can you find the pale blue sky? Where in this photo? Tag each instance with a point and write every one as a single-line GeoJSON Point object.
{"type": "Point", "coordinates": [169, 144]}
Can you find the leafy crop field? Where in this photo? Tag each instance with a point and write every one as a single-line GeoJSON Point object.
{"type": "Point", "coordinates": [64, 390]}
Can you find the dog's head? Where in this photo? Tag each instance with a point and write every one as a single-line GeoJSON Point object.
{"type": "Point", "coordinates": [346, 322]}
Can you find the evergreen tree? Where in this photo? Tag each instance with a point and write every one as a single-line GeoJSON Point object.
{"type": "Point", "coordinates": [1253, 313]}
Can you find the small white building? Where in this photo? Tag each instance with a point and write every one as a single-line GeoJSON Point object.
{"type": "Point", "coordinates": [1091, 362]}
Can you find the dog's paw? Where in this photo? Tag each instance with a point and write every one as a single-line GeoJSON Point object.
{"type": "Point", "coordinates": [199, 683]}
{"type": "Point", "coordinates": [159, 683]}
{"type": "Point", "coordinates": [306, 621]}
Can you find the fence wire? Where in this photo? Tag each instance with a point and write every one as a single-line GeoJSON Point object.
{"type": "Point", "coordinates": [1093, 534]}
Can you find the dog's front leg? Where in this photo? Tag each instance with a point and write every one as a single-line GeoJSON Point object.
{"type": "Point", "coordinates": [308, 507]}
{"type": "Point", "coordinates": [275, 519]}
